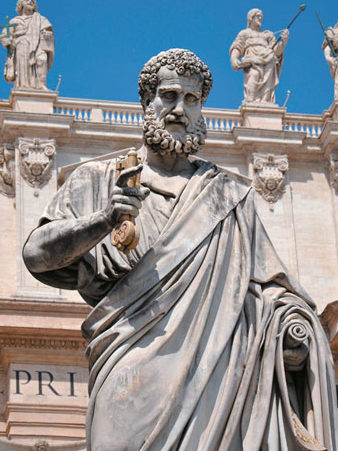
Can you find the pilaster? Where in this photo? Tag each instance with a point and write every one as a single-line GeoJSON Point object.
{"type": "Point", "coordinates": [36, 183]}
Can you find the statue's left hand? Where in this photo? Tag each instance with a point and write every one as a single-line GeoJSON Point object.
{"type": "Point", "coordinates": [285, 36]}
{"type": "Point", "coordinates": [6, 42]}
{"type": "Point", "coordinates": [47, 34]}
{"type": "Point", "coordinates": [294, 358]}
{"type": "Point", "coordinates": [295, 344]}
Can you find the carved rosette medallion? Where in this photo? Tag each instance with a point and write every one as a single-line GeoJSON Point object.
{"type": "Point", "coordinates": [270, 175]}
{"type": "Point", "coordinates": [36, 159]}
{"type": "Point", "coordinates": [7, 170]}
{"type": "Point", "coordinates": [334, 171]}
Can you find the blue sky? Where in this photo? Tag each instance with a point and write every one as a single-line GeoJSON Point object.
{"type": "Point", "coordinates": [102, 45]}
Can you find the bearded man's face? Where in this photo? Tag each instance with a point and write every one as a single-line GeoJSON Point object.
{"type": "Point", "coordinates": [173, 120]}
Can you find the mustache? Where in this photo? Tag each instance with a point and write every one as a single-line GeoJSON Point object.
{"type": "Point", "coordinates": [177, 119]}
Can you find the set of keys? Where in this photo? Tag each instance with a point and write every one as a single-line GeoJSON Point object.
{"type": "Point", "coordinates": [125, 235]}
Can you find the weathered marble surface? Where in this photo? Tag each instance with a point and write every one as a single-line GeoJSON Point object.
{"type": "Point", "coordinates": [332, 33]}
{"type": "Point", "coordinates": [256, 52]}
{"type": "Point", "coordinates": [30, 47]}
{"type": "Point", "coordinates": [189, 334]}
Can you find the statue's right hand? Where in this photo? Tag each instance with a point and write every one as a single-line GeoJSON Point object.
{"type": "Point", "coordinates": [6, 42]}
{"type": "Point", "coordinates": [244, 63]}
{"type": "Point", "coordinates": [123, 199]}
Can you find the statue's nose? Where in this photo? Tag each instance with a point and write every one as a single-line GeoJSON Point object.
{"type": "Point", "coordinates": [179, 107]}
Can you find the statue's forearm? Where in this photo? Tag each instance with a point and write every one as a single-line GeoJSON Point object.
{"type": "Point", "coordinates": [234, 60]}
{"type": "Point", "coordinates": [279, 49]}
{"type": "Point", "coordinates": [59, 243]}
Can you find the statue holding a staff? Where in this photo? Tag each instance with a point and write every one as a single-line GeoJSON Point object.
{"type": "Point", "coordinates": [260, 55]}
{"type": "Point", "coordinates": [29, 40]}
{"type": "Point", "coordinates": [330, 49]}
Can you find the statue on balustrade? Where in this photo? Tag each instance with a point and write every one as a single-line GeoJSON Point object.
{"type": "Point", "coordinates": [260, 56]}
{"type": "Point", "coordinates": [331, 55]}
{"type": "Point", "coordinates": [29, 40]}
{"type": "Point", "coordinates": [198, 338]}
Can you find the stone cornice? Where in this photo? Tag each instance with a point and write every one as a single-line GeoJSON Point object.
{"type": "Point", "coordinates": [44, 307]}
{"type": "Point", "coordinates": [36, 342]}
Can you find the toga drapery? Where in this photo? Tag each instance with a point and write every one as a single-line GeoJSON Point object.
{"type": "Point", "coordinates": [186, 333]}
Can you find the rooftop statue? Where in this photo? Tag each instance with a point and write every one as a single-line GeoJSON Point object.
{"type": "Point", "coordinates": [29, 40]}
{"type": "Point", "coordinates": [198, 338]}
{"type": "Point", "coordinates": [260, 56]}
{"type": "Point", "coordinates": [330, 50]}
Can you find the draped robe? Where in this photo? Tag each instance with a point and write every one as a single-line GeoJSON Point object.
{"type": "Point", "coordinates": [186, 333]}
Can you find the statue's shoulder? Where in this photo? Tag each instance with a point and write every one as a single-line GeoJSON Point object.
{"type": "Point", "coordinates": [268, 33]}
{"type": "Point", "coordinates": [244, 34]}
{"type": "Point", "coordinates": [16, 19]}
{"type": "Point", "coordinates": [96, 167]}
{"type": "Point", "coordinates": [88, 172]}
{"type": "Point", "coordinates": [235, 177]}
{"type": "Point", "coordinates": [44, 21]}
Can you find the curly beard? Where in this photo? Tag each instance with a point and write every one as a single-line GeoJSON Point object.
{"type": "Point", "coordinates": [162, 142]}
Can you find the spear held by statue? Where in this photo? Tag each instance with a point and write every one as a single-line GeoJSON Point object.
{"type": "Point", "coordinates": [328, 40]}
{"type": "Point", "coordinates": [300, 10]}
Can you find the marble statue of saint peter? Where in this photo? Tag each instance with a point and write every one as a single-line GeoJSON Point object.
{"type": "Point", "coordinates": [199, 340]}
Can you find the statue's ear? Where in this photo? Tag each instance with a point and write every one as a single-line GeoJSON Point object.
{"type": "Point", "coordinates": [147, 100]}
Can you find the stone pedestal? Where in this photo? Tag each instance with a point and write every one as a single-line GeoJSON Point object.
{"type": "Point", "coordinates": [33, 101]}
{"type": "Point", "coordinates": [267, 117]}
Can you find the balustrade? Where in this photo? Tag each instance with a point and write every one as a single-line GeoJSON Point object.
{"type": "Point", "coordinates": [128, 113]}
{"type": "Point", "coordinates": [311, 125]}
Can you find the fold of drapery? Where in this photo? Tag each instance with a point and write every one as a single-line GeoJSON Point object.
{"type": "Point", "coordinates": [194, 331]}
{"type": "Point", "coordinates": [186, 343]}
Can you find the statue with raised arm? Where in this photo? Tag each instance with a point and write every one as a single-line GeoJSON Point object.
{"type": "Point", "coordinates": [198, 338]}
{"type": "Point", "coordinates": [260, 56]}
{"type": "Point", "coordinates": [29, 40]}
{"type": "Point", "coordinates": [331, 54]}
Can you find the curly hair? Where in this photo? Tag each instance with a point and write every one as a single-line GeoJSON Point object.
{"type": "Point", "coordinates": [184, 62]}
{"type": "Point", "coordinates": [19, 6]}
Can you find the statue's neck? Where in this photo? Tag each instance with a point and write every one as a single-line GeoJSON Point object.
{"type": "Point", "coordinates": [170, 163]}
{"type": "Point", "coordinates": [27, 16]}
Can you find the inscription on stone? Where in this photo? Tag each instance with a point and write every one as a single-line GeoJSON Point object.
{"type": "Point", "coordinates": [36, 384]}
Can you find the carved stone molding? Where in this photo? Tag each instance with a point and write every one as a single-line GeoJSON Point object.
{"type": "Point", "coordinates": [270, 175]}
{"type": "Point", "coordinates": [41, 343]}
{"type": "Point", "coordinates": [334, 170]}
{"type": "Point", "coordinates": [36, 159]}
{"type": "Point", "coordinates": [7, 170]}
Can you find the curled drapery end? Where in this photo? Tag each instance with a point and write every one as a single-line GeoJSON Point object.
{"type": "Point", "coordinates": [296, 345]}
{"type": "Point", "coordinates": [296, 334]}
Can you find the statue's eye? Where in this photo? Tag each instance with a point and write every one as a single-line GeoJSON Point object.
{"type": "Point", "coordinates": [170, 96]}
{"type": "Point", "coordinates": [191, 99]}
